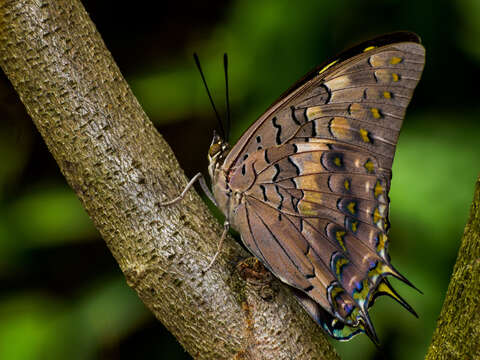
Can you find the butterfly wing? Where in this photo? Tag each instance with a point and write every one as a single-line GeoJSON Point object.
{"type": "Point", "coordinates": [314, 174]}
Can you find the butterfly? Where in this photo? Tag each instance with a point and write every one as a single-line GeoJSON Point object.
{"type": "Point", "coordinates": [307, 184]}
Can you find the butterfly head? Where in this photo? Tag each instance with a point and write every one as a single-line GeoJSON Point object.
{"type": "Point", "coordinates": [216, 154]}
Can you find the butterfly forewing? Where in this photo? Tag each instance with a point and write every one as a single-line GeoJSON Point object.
{"type": "Point", "coordinates": [311, 178]}
{"type": "Point", "coordinates": [358, 101]}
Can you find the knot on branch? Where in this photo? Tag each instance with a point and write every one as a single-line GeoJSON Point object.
{"type": "Point", "coordinates": [258, 277]}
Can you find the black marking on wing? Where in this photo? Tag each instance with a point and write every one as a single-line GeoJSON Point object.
{"type": "Point", "coordinates": [280, 204]}
{"type": "Point", "coordinates": [294, 118]}
{"type": "Point", "coordinates": [295, 202]}
{"type": "Point", "coordinates": [305, 115]}
{"type": "Point", "coordinates": [352, 224]}
{"type": "Point", "coordinates": [243, 169]}
{"type": "Point", "coordinates": [279, 130]}
{"type": "Point", "coordinates": [369, 61]}
{"type": "Point", "coordinates": [328, 184]}
{"type": "Point", "coordinates": [264, 193]}
{"type": "Point", "coordinates": [329, 93]}
{"type": "Point", "coordinates": [277, 172]}
{"type": "Point", "coordinates": [330, 126]}
{"type": "Point", "coordinates": [314, 129]}
{"type": "Point", "coordinates": [294, 206]}
{"type": "Point", "coordinates": [338, 204]}
{"type": "Point", "coordinates": [370, 137]}
{"type": "Point", "coordinates": [265, 155]}
{"type": "Point", "coordinates": [259, 139]}
{"type": "Point", "coordinates": [297, 169]}
{"type": "Point", "coordinates": [311, 276]}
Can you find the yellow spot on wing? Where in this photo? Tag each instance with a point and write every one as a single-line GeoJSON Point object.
{"type": "Point", "coordinates": [376, 216]}
{"type": "Point", "coordinates": [368, 48]}
{"type": "Point", "coordinates": [354, 226]}
{"type": "Point", "coordinates": [387, 94]}
{"type": "Point", "coordinates": [338, 161]}
{"type": "Point", "coordinates": [339, 265]}
{"type": "Point", "coordinates": [335, 291]}
{"type": "Point", "coordinates": [364, 135]}
{"type": "Point", "coordinates": [351, 207]}
{"type": "Point", "coordinates": [328, 66]}
{"type": "Point", "coordinates": [346, 184]}
{"type": "Point", "coordinates": [369, 166]}
{"type": "Point", "coordinates": [395, 77]}
{"type": "Point", "coordinates": [378, 189]}
{"type": "Point", "coordinates": [395, 60]}
{"type": "Point", "coordinates": [360, 296]}
{"type": "Point", "coordinates": [382, 238]}
{"type": "Point", "coordinates": [339, 236]}
{"type": "Point", "coordinates": [375, 272]}
{"type": "Point", "coordinates": [375, 113]}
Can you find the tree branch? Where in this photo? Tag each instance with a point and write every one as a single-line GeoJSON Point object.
{"type": "Point", "coordinates": [121, 169]}
{"type": "Point", "coordinates": [457, 335]}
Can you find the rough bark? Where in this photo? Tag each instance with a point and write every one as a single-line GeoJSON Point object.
{"type": "Point", "coordinates": [121, 168]}
{"type": "Point", "coordinates": [457, 335]}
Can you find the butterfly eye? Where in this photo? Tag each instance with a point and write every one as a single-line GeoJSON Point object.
{"type": "Point", "coordinates": [215, 148]}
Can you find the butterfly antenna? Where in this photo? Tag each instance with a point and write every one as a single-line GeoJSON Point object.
{"type": "Point", "coordinates": [197, 61]}
{"type": "Point", "coordinates": [225, 66]}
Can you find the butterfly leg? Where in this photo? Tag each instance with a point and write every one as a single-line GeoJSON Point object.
{"type": "Point", "coordinates": [226, 227]}
{"type": "Point", "coordinates": [199, 177]}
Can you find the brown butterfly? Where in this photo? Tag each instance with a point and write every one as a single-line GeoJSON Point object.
{"type": "Point", "coordinates": [306, 186]}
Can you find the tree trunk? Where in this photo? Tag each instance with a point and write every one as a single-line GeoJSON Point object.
{"type": "Point", "coordinates": [121, 169]}
{"type": "Point", "coordinates": [457, 335]}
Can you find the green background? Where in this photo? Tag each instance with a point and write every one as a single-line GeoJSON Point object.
{"type": "Point", "coordinates": [61, 294]}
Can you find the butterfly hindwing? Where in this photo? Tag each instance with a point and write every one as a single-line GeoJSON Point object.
{"type": "Point", "coordinates": [304, 219]}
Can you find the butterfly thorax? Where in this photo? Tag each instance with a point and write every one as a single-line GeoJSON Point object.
{"type": "Point", "coordinates": [230, 182]}
{"type": "Point", "coordinates": [216, 158]}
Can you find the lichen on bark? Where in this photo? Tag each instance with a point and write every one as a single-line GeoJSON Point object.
{"type": "Point", "coordinates": [457, 335]}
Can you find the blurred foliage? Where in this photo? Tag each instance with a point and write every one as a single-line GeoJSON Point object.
{"type": "Point", "coordinates": [61, 293]}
